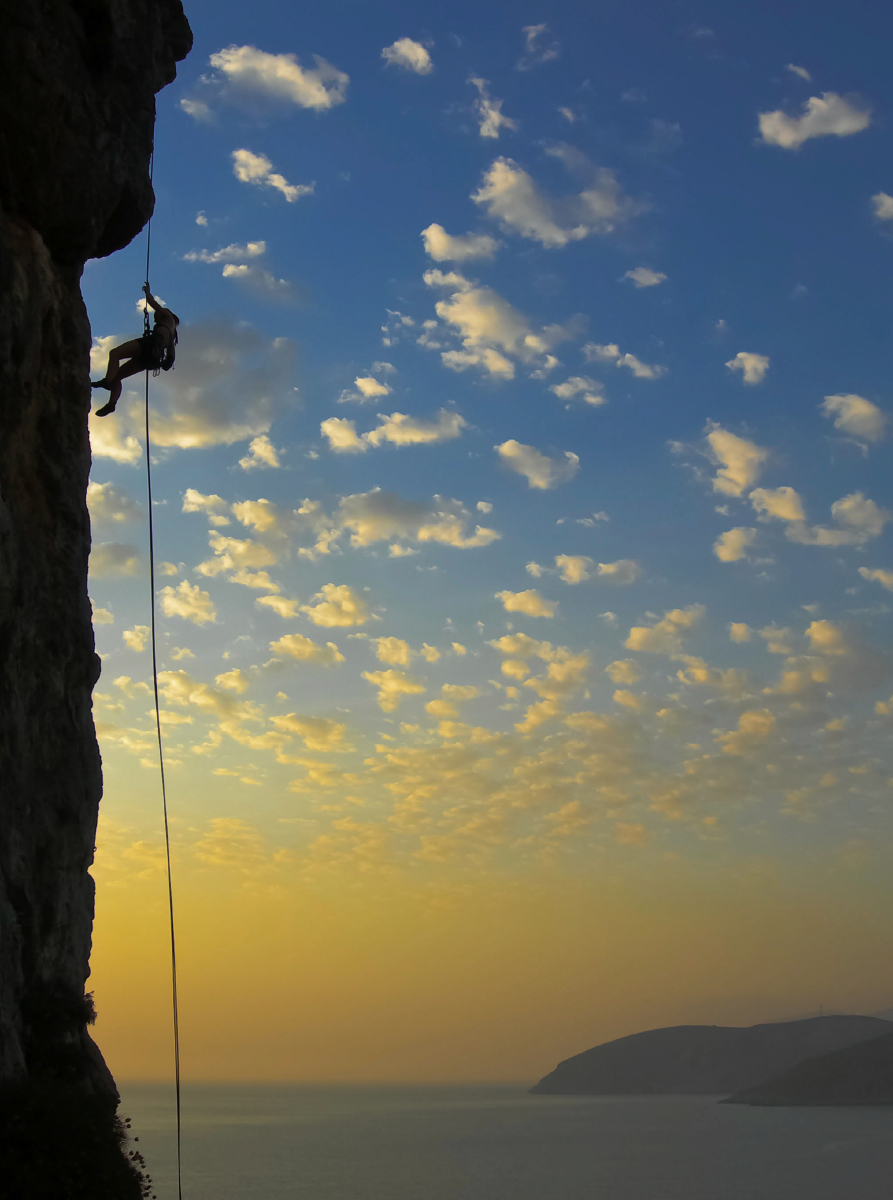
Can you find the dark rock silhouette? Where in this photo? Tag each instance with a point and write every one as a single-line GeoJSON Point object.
{"type": "Point", "coordinates": [703, 1058]}
{"type": "Point", "coordinates": [77, 102]}
{"type": "Point", "coordinates": [860, 1074]}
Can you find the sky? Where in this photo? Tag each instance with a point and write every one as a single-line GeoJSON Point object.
{"type": "Point", "coordinates": [523, 538]}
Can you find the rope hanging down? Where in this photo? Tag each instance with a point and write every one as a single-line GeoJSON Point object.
{"type": "Point", "coordinates": [167, 836]}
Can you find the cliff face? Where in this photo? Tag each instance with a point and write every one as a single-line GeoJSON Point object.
{"type": "Point", "coordinates": [77, 102]}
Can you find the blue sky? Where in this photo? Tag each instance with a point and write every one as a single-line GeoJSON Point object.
{"type": "Point", "coordinates": [523, 480]}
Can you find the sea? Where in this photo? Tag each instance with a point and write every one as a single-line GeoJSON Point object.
{"type": "Point", "coordinates": [497, 1142]}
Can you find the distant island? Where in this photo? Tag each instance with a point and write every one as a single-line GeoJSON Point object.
{"type": "Point", "coordinates": [749, 1062]}
{"type": "Point", "coordinates": [859, 1074]}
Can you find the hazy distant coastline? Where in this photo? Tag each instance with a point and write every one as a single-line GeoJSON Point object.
{"type": "Point", "coordinates": [783, 1063]}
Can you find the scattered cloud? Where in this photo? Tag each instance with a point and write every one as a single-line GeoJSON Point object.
{"type": "Point", "coordinates": [644, 277]}
{"type": "Point", "coordinates": [856, 416]}
{"type": "Point", "coordinates": [733, 545]}
{"type": "Point", "coordinates": [109, 505]}
{"type": "Point", "coordinates": [492, 332]}
{"type": "Point", "coordinates": [262, 282]}
{"type": "Point", "coordinates": [530, 603]}
{"type": "Point", "coordinates": [540, 470]}
{"type": "Point", "coordinates": [254, 80]}
{"type": "Point", "coordinates": [753, 367]}
{"type": "Point", "coordinates": [883, 206]}
{"type": "Point", "coordinates": [232, 253]}
{"type": "Point", "coordinates": [823, 116]}
{"type": "Point", "coordinates": [393, 686]}
{"type": "Point", "coordinates": [539, 47]}
{"type": "Point", "coordinates": [739, 460]}
{"type": "Point", "coordinates": [137, 639]}
{"type": "Point", "coordinates": [588, 390]}
{"type": "Point", "coordinates": [593, 352]}
{"type": "Point", "coordinates": [624, 571]}
{"type": "Point", "coordinates": [665, 635]}
{"type": "Point", "coordinates": [303, 649]}
{"type": "Point", "coordinates": [489, 110]}
{"type": "Point", "coordinates": [801, 71]}
{"type": "Point", "coordinates": [398, 429]}
{"type": "Point", "coordinates": [444, 247]}
{"type": "Point", "coordinates": [262, 454]}
{"type": "Point", "coordinates": [111, 560]}
{"type": "Point", "coordinates": [257, 169]}
{"type": "Point", "coordinates": [410, 55]}
{"type": "Point", "coordinates": [574, 568]}
{"type": "Point", "coordinates": [511, 197]}
{"type": "Point", "coordinates": [337, 604]}
{"type": "Point", "coordinates": [881, 575]}
{"type": "Point", "coordinates": [189, 602]}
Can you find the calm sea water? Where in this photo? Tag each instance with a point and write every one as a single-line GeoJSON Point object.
{"type": "Point", "coordinates": [499, 1143]}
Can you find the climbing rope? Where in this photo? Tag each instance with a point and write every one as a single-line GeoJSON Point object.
{"type": "Point", "coordinates": [167, 834]}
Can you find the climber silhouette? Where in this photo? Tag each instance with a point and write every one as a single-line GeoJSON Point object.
{"type": "Point", "coordinates": [154, 351]}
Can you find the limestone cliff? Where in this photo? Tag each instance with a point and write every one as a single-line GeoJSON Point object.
{"type": "Point", "coordinates": [77, 102]}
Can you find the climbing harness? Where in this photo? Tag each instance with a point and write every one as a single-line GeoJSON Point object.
{"type": "Point", "coordinates": [167, 836]}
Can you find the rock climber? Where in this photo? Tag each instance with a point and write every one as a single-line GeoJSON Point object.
{"type": "Point", "coordinates": [154, 351]}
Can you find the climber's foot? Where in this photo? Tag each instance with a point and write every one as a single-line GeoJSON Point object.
{"type": "Point", "coordinates": [100, 383]}
{"type": "Point", "coordinates": [105, 410]}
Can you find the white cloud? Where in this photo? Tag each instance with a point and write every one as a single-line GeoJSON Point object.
{"type": "Point", "coordinates": [200, 218]}
{"type": "Point", "coordinates": [540, 47]}
{"type": "Point", "coordinates": [822, 116]}
{"type": "Point", "coordinates": [858, 519]}
{"type": "Point", "coordinates": [589, 390]}
{"type": "Point", "coordinates": [303, 649]}
{"type": "Point", "coordinates": [257, 169]}
{"type": "Point", "coordinates": [110, 560]}
{"type": "Point", "coordinates": [392, 687]}
{"type": "Point", "coordinates": [511, 197]}
{"type": "Point", "coordinates": [444, 247]}
{"type": "Point", "coordinates": [739, 460]}
{"type": "Point", "coordinates": [593, 352]}
{"type": "Point", "coordinates": [342, 436]}
{"type": "Point", "coordinates": [881, 575]}
{"type": "Point", "coordinates": [233, 681]}
{"type": "Point", "coordinates": [250, 78]}
{"type": "Point", "coordinates": [665, 636]}
{"type": "Point", "coordinates": [624, 571]}
{"type": "Point", "coordinates": [231, 253]}
{"type": "Point", "coordinates": [264, 283]}
{"type": "Point", "coordinates": [337, 605]}
{"type": "Point", "coordinates": [574, 568]}
{"type": "Point", "coordinates": [883, 206]}
{"type": "Point", "coordinates": [410, 55]}
{"type": "Point", "coordinates": [752, 366]}
{"type": "Point", "coordinates": [261, 454]}
{"type": "Point", "coordinates": [109, 504]}
{"type": "Point", "coordinates": [214, 507]}
{"type": "Point", "coordinates": [137, 639]}
{"type": "Point", "coordinates": [187, 601]}
{"type": "Point", "coordinates": [624, 670]}
{"type": "Point", "coordinates": [374, 516]}
{"type": "Point", "coordinates": [801, 71]}
{"type": "Point", "coordinates": [402, 430]}
{"type": "Point", "coordinates": [856, 416]}
{"type": "Point", "coordinates": [733, 545]}
{"type": "Point", "coordinates": [490, 328]}
{"type": "Point", "coordinates": [531, 603]}
{"type": "Point", "coordinates": [103, 616]}
{"type": "Point", "coordinates": [540, 470]}
{"type": "Point", "coordinates": [489, 110]}
{"type": "Point", "coordinates": [107, 438]}
{"type": "Point", "coordinates": [398, 429]}
{"type": "Point", "coordinates": [368, 388]}
{"type": "Point", "coordinates": [782, 503]}
{"type": "Point", "coordinates": [644, 277]}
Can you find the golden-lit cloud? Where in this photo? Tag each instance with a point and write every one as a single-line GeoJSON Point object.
{"type": "Point", "coordinates": [823, 116]}
{"type": "Point", "coordinates": [392, 687]}
{"type": "Point", "coordinates": [337, 604]}
{"type": "Point", "coordinates": [410, 55]}
{"type": "Point", "coordinates": [753, 367]}
{"type": "Point", "coordinates": [189, 602]}
{"type": "Point", "coordinates": [530, 603]}
{"type": "Point", "coordinates": [541, 471]}
{"type": "Point", "coordinates": [302, 649]}
{"type": "Point", "coordinates": [466, 247]}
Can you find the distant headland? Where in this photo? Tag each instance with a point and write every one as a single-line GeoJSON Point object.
{"type": "Point", "coordinates": [820, 1060]}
